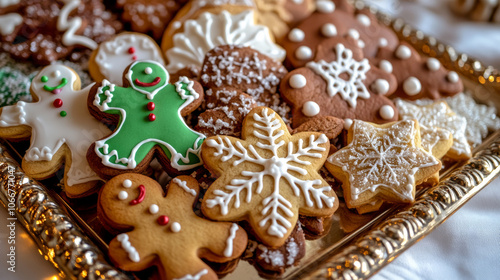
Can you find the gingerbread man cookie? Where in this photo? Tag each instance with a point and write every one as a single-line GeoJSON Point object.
{"type": "Point", "coordinates": [163, 230]}
{"type": "Point", "coordinates": [340, 83]}
{"type": "Point", "coordinates": [150, 121]}
{"type": "Point", "coordinates": [418, 77]}
{"type": "Point", "coordinates": [111, 58]}
{"type": "Point", "coordinates": [382, 162]}
{"type": "Point", "coordinates": [268, 177]}
{"type": "Point", "coordinates": [61, 129]}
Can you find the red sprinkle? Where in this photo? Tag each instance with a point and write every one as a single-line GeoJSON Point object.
{"type": "Point", "coordinates": [162, 220]}
{"type": "Point", "coordinates": [131, 50]}
{"type": "Point", "coordinates": [134, 57]}
{"type": "Point", "coordinates": [151, 106]}
{"type": "Point", "coordinates": [58, 103]}
{"type": "Point", "coordinates": [140, 197]}
{"type": "Point", "coordinates": [152, 117]}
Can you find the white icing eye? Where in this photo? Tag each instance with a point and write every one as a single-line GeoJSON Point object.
{"type": "Point", "coordinates": [386, 66]}
{"type": "Point", "coordinates": [329, 30]}
{"type": "Point", "coordinates": [175, 227]}
{"type": "Point", "coordinates": [403, 52]}
{"type": "Point", "coordinates": [361, 43]}
{"type": "Point", "coordinates": [386, 112]}
{"type": "Point", "coordinates": [153, 209]}
{"type": "Point", "coordinates": [347, 123]}
{"type": "Point", "coordinates": [127, 183]}
{"type": "Point", "coordinates": [380, 86]}
{"type": "Point", "coordinates": [122, 195]}
{"type": "Point", "coordinates": [148, 70]}
{"type": "Point", "coordinates": [325, 6]}
{"type": "Point", "coordinates": [353, 33]}
{"type": "Point", "coordinates": [364, 19]}
{"type": "Point", "coordinates": [433, 64]}
{"type": "Point", "coordinates": [303, 53]}
{"type": "Point", "coordinates": [382, 42]}
{"type": "Point", "coordinates": [412, 86]}
{"type": "Point", "coordinates": [56, 73]}
{"type": "Point", "coordinates": [296, 35]}
{"type": "Point", "coordinates": [452, 77]}
{"type": "Point", "coordinates": [297, 81]}
{"type": "Point", "coordinates": [310, 109]}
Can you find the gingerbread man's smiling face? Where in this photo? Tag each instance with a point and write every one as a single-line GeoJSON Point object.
{"type": "Point", "coordinates": [147, 77]}
{"type": "Point", "coordinates": [56, 80]}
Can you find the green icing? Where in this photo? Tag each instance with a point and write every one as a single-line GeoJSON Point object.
{"type": "Point", "coordinates": [137, 134]}
{"type": "Point", "coordinates": [14, 86]}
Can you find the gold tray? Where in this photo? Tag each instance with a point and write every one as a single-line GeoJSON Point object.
{"type": "Point", "coordinates": [75, 249]}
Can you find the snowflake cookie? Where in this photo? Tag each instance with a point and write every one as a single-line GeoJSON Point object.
{"type": "Point", "coordinates": [268, 177]}
{"type": "Point", "coordinates": [382, 162]}
{"type": "Point", "coordinates": [163, 230]}
{"type": "Point", "coordinates": [339, 83]}
{"type": "Point", "coordinates": [438, 115]}
{"type": "Point", "coordinates": [150, 121]}
{"type": "Point", "coordinates": [418, 77]}
{"type": "Point", "coordinates": [60, 126]}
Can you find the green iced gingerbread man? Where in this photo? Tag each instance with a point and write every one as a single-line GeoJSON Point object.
{"type": "Point", "coordinates": [149, 110]}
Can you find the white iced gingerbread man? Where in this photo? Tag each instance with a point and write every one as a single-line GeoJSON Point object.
{"type": "Point", "coordinates": [61, 129]}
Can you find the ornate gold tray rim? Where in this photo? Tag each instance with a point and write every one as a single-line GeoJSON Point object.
{"type": "Point", "coordinates": [68, 248]}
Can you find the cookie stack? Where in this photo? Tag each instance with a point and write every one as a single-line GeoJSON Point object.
{"type": "Point", "coordinates": [215, 131]}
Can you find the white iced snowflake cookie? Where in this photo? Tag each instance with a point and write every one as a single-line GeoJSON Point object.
{"type": "Point", "coordinates": [382, 162]}
{"type": "Point", "coordinates": [211, 30]}
{"type": "Point", "coordinates": [268, 177]}
{"type": "Point", "coordinates": [113, 56]}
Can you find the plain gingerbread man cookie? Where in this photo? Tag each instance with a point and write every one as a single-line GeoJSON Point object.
{"type": "Point", "coordinates": [60, 126]}
{"type": "Point", "coordinates": [163, 230]}
{"type": "Point", "coordinates": [150, 122]}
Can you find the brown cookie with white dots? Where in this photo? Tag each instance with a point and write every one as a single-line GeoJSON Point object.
{"type": "Point", "coordinates": [339, 83]}
{"type": "Point", "coordinates": [418, 77]}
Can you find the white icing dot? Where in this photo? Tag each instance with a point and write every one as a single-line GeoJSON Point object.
{"type": "Point", "coordinates": [303, 53]}
{"type": "Point", "coordinates": [296, 35]}
{"type": "Point", "coordinates": [433, 64]}
{"type": "Point", "coordinates": [176, 24]}
{"type": "Point", "coordinates": [347, 123]}
{"type": "Point", "coordinates": [310, 109]}
{"type": "Point", "coordinates": [385, 65]}
{"type": "Point", "coordinates": [175, 227]}
{"type": "Point", "coordinates": [325, 6]}
{"type": "Point", "coordinates": [364, 19]}
{"type": "Point", "coordinates": [297, 81]}
{"type": "Point", "coordinates": [153, 209]}
{"type": "Point", "coordinates": [122, 195]}
{"type": "Point", "coordinates": [56, 73]}
{"type": "Point", "coordinates": [353, 33]}
{"type": "Point", "coordinates": [382, 42]}
{"type": "Point", "coordinates": [380, 86]}
{"type": "Point", "coordinates": [386, 112]}
{"type": "Point", "coordinates": [403, 52]}
{"type": "Point", "coordinates": [412, 86]}
{"type": "Point", "coordinates": [127, 183]}
{"type": "Point", "coordinates": [148, 70]}
{"type": "Point", "coordinates": [329, 30]}
{"type": "Point", "coordinates": [361, 43]}
{"type": "Point", "coordinates": [452, 77]}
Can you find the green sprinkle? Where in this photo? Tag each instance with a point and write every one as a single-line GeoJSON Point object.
{"type": "Point", "coordinates": [44, 79]}
{"type": "Point", "coordinates": [63, 113]}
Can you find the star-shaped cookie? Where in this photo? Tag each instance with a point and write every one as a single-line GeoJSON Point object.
{"type": "Point", "coordinates": [268, 177]}
{"type": "Point", "coordinates": [382, 162]}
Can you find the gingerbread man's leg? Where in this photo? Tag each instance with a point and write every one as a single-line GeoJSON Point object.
{"type": "Point", "coordinates": [177, 268]}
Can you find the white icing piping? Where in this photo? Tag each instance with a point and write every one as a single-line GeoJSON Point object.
{"type": "Point", "coordinates": [183, 185]}
{"type": "Point", "coordinates": [228, 252]}
{"type": "Point", "coordinates": [72, 26]}
{"type": "Point", "coordinates": [133, 255]}
{"type": "Point", "coordinates": [193, 277]}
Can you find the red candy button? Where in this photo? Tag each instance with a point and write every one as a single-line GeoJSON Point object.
{"type": "Point", "coordinates": [151, 117]}
{"type": "Point", "coordinates": [151, 106]}
{"type": "Point", "coordinates": [162, 220]}
{"type": "Point", "coordinates": [131, 50]}
{"type": "Point", "coordinates": [58, 103]}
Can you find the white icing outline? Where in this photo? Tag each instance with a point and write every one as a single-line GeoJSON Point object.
{"type": "Point", "coordinates": [149, 95]}
{"type": "Point", "coordinates": [193, 277]}
{"type": "Point", "coordinates": [228, 252]}
{"type": "Point", "coordinates": [72, 26]}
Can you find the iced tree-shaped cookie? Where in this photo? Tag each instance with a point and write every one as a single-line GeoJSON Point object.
{"type": "Point", "coordinates": [268, 177]}
{"type": "Point", "coordinates": [60, 126]}
{"type": "Point", "coordinates": [150, 121]}
{"type": "Point", "coordinates": [163, 230]}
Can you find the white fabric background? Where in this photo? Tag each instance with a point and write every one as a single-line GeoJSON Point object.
{"type": "Point", "coordinates": [466, 246]}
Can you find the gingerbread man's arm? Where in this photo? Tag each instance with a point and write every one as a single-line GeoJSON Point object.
{"type": "Point", "coordinates": [190, 91]}
{"type": "Point", "coordinates": [108, 97]}
{"type": "Point", "coordinates": [12, 117]}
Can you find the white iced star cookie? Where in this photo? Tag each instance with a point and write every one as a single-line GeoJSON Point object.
{"type": "Point", "coordinates": [382, 162]}
{"type": "Point", "coordinates": [439, 115]}
{"type": "Point", "coordinates": [60, 126]}
{"type": "Point", "coordinates": [268, 177]}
